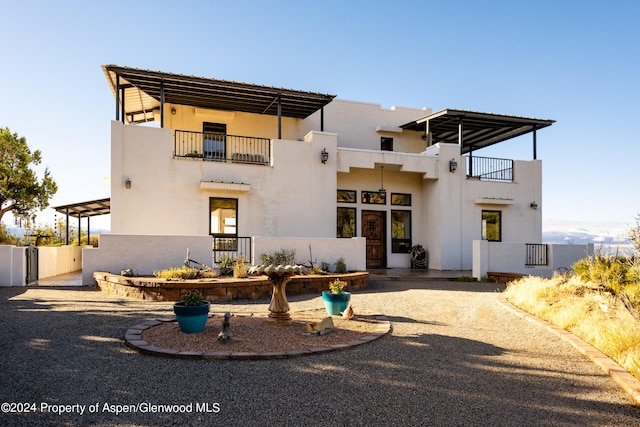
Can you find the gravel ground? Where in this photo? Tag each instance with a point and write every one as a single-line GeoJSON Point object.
{"type": "Point", "coordinates": [454, 357]}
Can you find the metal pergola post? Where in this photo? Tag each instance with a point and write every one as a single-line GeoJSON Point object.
{"type": "Point", "coordinates": [535, 144]}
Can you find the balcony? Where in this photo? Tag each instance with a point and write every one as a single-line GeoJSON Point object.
{"type": "Point", "coordinates": [490, 169]}
{"type": "Point", "coordinates": [221, 148]}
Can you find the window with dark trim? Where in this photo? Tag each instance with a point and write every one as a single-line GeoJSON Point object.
{"type": "Point", "coordinates": [374, 197]}
{"type": "Point", "coordinates": [386, 143]}
{"type": "Point", "coordinates": [492, 226]}
{"type": "Point", "coordinates": [400, 231]}
{"type": "Point", "coordinates": [346, 222]}
{"type": "Point", "coordinates": [401, 199]}
{"type": "Point", "coordinates": [223, 217]}
{"type": "Point", "coordinates": [346, 196]}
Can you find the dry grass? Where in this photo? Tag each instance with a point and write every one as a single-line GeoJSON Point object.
{"type": "Point", "coordinates": [594, 315]}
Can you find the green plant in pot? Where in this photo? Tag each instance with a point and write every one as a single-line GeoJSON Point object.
{"type": "Point", "coordinates": [336, 299]}
{"type": "Point", "coordinates": [192, 312]}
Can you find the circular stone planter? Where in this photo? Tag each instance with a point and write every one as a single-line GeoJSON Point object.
{"type": "Point", "coordinates": [335, 304]}
{"type": "Point", "coordinates": [191, 318]}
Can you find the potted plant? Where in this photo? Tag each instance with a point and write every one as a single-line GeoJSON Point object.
{"type": "Point", "coordinates": [192, 312]}
{"type": "Point", "coordinates": [336, 300]}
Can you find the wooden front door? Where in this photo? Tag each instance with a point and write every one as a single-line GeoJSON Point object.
{"type": "Point", "coordinates": [374, 230]}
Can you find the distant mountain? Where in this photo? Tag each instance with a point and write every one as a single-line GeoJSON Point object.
{"type": "Point", "coordinates": [610, 241]}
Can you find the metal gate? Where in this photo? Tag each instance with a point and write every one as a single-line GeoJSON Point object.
{"type": "Point", "coordinates": [32, 264]}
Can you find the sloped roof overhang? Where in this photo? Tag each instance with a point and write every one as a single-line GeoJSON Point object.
{"type": "Point", "coordinates": [479, 130]}
{"type": "Point", "coordinates": [86, 209]}
{"type": "Point", "coordinates": [144, 91]}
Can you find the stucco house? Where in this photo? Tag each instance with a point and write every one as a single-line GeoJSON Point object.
{"type": "Point", "coordinates": [218, 166]}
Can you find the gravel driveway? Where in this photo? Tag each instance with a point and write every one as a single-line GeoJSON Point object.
{"type": "Point", "coordinates": [454, 357]}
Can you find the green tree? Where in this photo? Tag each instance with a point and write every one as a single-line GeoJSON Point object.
{"type": "Point", "coordinates": [20, 189]}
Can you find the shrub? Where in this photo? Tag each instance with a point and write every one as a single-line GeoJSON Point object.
{"type": "Point", "coordinates": [240, 268]}
{"type": "Point", "coordinates": [226, 265]}
{"type": "Point", "coordinates": [283, 257]}
{"type": "Point", "coordinates": [192, 298]}
{"type": "Point", "coordinates": [177, 273]}
{"type": "Point", "coordinates": [612, 272]}
{"type": "Point", "coordinates": [341, 266]}
{"type": "Point", "coordinates": [337, 286]}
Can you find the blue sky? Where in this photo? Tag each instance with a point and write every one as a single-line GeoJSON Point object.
{"type": "Point", "coordinates": [576, 62]}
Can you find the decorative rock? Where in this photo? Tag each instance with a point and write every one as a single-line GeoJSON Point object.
{"type": "Point", "coordinates": [127, 273]}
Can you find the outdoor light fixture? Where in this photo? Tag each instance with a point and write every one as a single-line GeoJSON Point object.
{"type": "Point", "coordinates": [533, 205]}
{"type": "Point", "coordinates": [453, 165]}
{"type": "Point", "coordinates": [325, 155]}
{"type": "Point", "coordinates": [173, 110]}
{"type": "Point", "coordinates": [127, 183]}
{"type": "Point", "coordinates": [381, 179]}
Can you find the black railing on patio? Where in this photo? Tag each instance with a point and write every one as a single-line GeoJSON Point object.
{"type": "Point", "coordinates": [221, 148]}
{"type": "Point", "coordinates": [231, 247]}
{"type": "Point", "coordinates": [536, 254]}
{"type": "Point", "coordinates": [490, 169]}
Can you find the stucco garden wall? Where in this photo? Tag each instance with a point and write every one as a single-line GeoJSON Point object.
{"type": "Point", "coordinates": [143, 254]}
{"type": "Point", "coordinates": [511, 258]}
{"type": "Point", "coordinates": [322, 250]}
{"type": "Point", "coordinates": [12, 265]}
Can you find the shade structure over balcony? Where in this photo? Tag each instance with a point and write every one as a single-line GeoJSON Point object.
{"type": "Point", "coordinates": [84, 210]}
{"type": "Point", "coordinates": [474, 130]}
{"type": "Point", "coordinates": [139, 92]}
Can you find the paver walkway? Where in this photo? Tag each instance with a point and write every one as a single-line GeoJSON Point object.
{"type": "Point", "coordinates": [454, 357]}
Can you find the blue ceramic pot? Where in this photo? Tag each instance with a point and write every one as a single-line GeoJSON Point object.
{"type": "Point", "coordinates": [192, 318]}
{"type": "Point", "coordinates": [335, 304]}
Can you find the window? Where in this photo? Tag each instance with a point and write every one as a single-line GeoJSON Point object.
{"type": "Point", "coordinates": [492, 226]}
{"type": "Point", "coordinates": [346, 222]}
{"type": "Point", "coordinates": [224, 217]}
{"type": "Point", "coordinates": [401, 199]}
{"type": "Point", "coordinates": [214, 141]}
{"type": "Point", "coordinates": [386, 143]}
{"type": "Point", "coordinates": [374, 197]}
{"type": "Point", "coordinates": [400, 231]}
{"type": "Point", "coordinates": [346, 196]}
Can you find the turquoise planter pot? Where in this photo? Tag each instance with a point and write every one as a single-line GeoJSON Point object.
{"type": "Point", "coordinates": [335, 304]}
{"type": "Point", "coordinates": [191, 318]}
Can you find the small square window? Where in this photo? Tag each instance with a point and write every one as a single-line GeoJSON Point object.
{"type": "Point", "coordinates": [346, 196]}
{"type": "Point", "coordinates": [401, 199]}
{"type": "Point", "coordinates": [386, 143]}
{"type": "Point", "coordinates": [374, 197]}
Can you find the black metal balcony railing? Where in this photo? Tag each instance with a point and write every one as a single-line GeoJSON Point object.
{"type": "Point", "coordinates": [490, 169]}
{"type": "Point", "coordinates": [222, 148]}
{"type": "Point", "coordinates": [231, 247]}
{"type": "Point", "coordinates": [536, 255]}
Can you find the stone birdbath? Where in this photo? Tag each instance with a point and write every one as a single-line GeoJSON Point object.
{"type": "Point", "coordinates": [279, 276]}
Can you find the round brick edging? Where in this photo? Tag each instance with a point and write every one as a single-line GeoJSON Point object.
{"type": "Point", "coordinates": [623, 378]}
{"type": "Point", "coordinates": [133, 338]}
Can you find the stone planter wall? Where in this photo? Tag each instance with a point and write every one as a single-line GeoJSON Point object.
{"type": "Point", "coordinates": [220, 289]}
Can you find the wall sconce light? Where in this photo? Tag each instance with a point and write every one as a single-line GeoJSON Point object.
{"type": "Point", "coordinates": [173, 110]}
{"type": "Point", "coordinates": [324, 155]}
{"type": "Point", "coordinates": [127, 183]}
{"type": "Point", "coordinates": [533, 205]}
{"type": "Point", "coordinates": [453, 165]}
